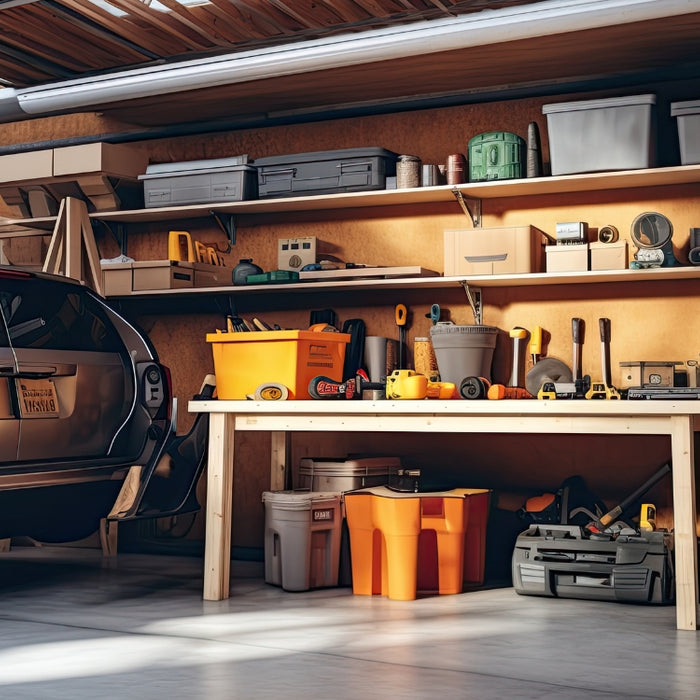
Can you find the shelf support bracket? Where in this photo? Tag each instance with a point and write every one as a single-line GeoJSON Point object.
{"type": "Point", "coordinates": [119, 234]}
{"type": "Point", "coordinates": [227, 223]}
{"type": "Point", "coordinates": [472, 210]}
{"type": "Point", "coordinates": [474, 299]}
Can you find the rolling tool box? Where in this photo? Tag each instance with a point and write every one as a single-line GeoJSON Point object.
{"type": "Point", "coordinates": [563, 561]}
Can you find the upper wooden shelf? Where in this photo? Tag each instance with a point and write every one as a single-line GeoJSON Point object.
{"type": "Point", "coordinates": [563, 184]}
{"type": "Point", "coordinates": [417, 283]}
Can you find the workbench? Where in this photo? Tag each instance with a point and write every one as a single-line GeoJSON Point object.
{"type": "Point", "coordinates": [676, 419]}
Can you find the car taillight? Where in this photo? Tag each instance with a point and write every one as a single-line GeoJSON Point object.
{"type": "Point", "coordinates": [14, 274]}
{"type": "Point", "coordinates": [169, 392]}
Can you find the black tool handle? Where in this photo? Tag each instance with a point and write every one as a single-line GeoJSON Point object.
{"type": "Point", "coordinates": [604, 324]}
{"type": "Point", "coordinates": [617, 511]}
{"type": "Point", "coordinates": [577, 331]}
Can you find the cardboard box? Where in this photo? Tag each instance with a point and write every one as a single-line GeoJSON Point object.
{"type": "Point", "coordinates": [108, 159]}
{"type": "Point", "coordinates": [206, 275]}
{"type": "Point", "coordinates": [116, 279]}
{"type": "Point", "coordinates": [493, 251]}
{"type": "Point", "coordinates": [20, 167]}
{"type": "Point", "coordinates": [608, 256]}
{"type": "Point", "coordinates": [162, 274]}
{"type": "Point", "coordinates": [567, 258]}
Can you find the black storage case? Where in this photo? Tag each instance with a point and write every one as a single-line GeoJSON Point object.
{"type": "Point", "coordinates": [324, 172]}
{"type": "Point", "coordinates": [563, 561]}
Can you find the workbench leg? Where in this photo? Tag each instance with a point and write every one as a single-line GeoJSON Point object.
{"type": "Point", "coordinates": [217, 540]}
{"type": "Point", "coordinates": [278, 460]}
{"type": "Point", "coordinates": [684, 536]}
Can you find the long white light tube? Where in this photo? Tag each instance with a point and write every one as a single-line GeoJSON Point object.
{"type": "Point", "coordinates": [479, 29]}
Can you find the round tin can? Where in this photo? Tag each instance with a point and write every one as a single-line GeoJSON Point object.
{"type": "Point", "coordinates": [408, 171]}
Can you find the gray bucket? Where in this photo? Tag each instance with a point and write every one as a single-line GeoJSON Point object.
{"type": "Point", "coordinates": [463, 351]}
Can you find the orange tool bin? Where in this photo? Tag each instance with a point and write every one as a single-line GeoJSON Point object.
{"type": "Point", "coordinates": [395, 535]}
{"type": "Point", "coordinates": [244, 361]}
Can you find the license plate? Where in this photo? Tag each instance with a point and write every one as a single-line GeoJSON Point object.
{"type": "Point", "coordinates": [37, 398]}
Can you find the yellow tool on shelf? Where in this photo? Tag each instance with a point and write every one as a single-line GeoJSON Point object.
{"type": "Point", "coordinates": [182, 248]}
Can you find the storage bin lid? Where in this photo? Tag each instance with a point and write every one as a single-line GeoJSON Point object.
{"type": "Point", "coordinates": [260, 336]}
{"type": "Point", "coordinates": [626, 101]}
{"type": "Point", "coordinates": [681, 109]}
{"type": "Point", "coordinates": [349, 467]}
{"type": "Point", "coordinates": [387, 492]}
{"type": "Point", "coordinates": [452, 329]}
{"type": "Point", "coordinates": [300, 500]}
{"type": "Point", "coordinates": [345, 153]}
{"type": "Point", "coordinates": [199, 167]}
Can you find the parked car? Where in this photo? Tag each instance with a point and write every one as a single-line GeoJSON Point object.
{"type": "Point", "coordinates": [83, 398]}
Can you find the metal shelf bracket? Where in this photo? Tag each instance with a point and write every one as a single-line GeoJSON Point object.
{"type": "Point", "coordinates": [472, 210]}
{"type": "Point", "coordinates": [474, 299]}
{"type": "Point", "coordinates": [227, 223]}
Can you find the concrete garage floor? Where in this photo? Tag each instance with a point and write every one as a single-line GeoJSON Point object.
{"type": "Point", "coordinates": [74, 625]}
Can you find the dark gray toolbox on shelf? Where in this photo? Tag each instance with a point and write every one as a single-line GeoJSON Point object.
{"type": "Point", "coordinates": [199, 182]}
{"type": "Point", "coordinates": [325, 172]}
{"type": "Point", "coordinates": [564, 561]}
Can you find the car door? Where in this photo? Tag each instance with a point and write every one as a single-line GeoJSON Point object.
{"type": "Point", "coordinates": [74, 383]}
{"type": "Point", "coordinates": [9, 423]}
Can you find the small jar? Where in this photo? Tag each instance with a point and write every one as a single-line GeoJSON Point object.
{"type": "Point", "coordinates": [408, 172]}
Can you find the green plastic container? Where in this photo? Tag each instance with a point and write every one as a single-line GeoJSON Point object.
{"type": "Point", "coordinates": [496, 155]}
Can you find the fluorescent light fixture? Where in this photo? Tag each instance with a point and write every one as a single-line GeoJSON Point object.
{"type": "Point", "coordinates": [485, 28]}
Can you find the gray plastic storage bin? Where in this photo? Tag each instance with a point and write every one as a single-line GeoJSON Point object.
{"type": "Point", "coordinates": [302, 539]}
{"type": "Point", "coordinates": [325, 172]}
{"type": "Point", "coordinates": [618, 133]}
{"type": "Point", "coordinates": [199, 182]}
{"type": "Point", "coordinates": [688, 114]}
{"type": "Point", "coordinates": [340, 475]}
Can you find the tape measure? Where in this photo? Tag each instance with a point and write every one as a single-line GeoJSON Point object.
{"type": "Point", "coordinates": [271, 392]}
{"type": "Point", "coordinates": [608, 234]}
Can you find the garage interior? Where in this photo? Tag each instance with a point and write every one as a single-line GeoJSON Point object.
{"type": "Point", "coordinates": [176, 81]}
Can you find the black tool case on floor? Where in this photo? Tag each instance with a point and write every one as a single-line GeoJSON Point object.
{"type": "Point", "coordinates": [325, 172]}
{"type": "Point", "coordinates": [565, 561]}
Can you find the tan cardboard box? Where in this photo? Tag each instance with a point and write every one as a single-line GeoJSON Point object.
{"type": "Point", "coordinates": [108, 159]}
{"type": "Point", "coordinates": [493, 251]}
{"type": "Point", "coordinates": [567, 258]}
{"type": "Point", "coordinates": [609, 256]}
{"type": "Point", "coordinates": [162, 274]}
{"type": "Point", "coordinates": [116, 279]}
{"type": "Point", "coordinates": [206, 275]}
{"type": "Point", "coordinates": [21, 167]}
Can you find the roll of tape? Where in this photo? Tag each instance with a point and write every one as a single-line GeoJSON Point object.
{"type": "Point", "coordinates": [271, 392]}
{"type": "Point", "coordinates": [694, 256]}
{"type": "Point", "coordinates": [608, 234]}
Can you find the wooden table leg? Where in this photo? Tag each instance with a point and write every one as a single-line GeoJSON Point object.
{"type": "Point", "coordinates": [217, 540]}
{"type": "Point", "coordinates": [278, 460]}
{"type": "Point", "coordinates": [684, 536]}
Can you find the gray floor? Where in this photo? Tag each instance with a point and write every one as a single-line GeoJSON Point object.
{"type": "Point", "coordinates": [77, 626]}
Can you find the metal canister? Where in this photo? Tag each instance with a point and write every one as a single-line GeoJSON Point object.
{"type": "Point", "coordinates": [456, 169]}
{"type": "Point", "coordinates": [408, 171]}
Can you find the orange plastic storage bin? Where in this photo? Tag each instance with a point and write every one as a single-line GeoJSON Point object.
{"type": "Point", "coordinates": [244, 361]}
{"type": "Point", "coordinates": [395, 535]}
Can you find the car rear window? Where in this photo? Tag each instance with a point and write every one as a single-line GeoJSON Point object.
{"type": "Point", "coordinates": [45, 314]}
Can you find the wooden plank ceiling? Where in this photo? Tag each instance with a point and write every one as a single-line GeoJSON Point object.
{"type": "Point", "coordinates": [45, 40]}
